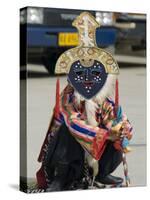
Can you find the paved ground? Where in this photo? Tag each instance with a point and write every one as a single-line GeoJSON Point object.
{"type": "Point", "coordinates": [41, 98]}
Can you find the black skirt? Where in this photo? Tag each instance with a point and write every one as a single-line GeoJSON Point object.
{"type": "Point", "coordinates": [64, 150]}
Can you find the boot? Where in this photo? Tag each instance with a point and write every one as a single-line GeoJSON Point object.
{"type": "Point", "coordinates": [60, 179]}
{"type": "Point", "coordinates": [110, 180]}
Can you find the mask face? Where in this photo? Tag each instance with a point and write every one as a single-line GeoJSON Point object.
{"type": "Point", "coordinates": [88, 81]}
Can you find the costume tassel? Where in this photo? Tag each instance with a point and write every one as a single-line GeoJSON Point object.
{"type": "Point", "coordinates": [116, 96]}
{"type": "Point", "coordinates": [125, 166]}
{"type": "Point", "coordinates": [57, 106]}
{"type": "Point", "coordinates": [117, 93]}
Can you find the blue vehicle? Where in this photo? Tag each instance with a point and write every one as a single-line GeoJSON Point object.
{"type": "Point", "coordinates": [49, 32]}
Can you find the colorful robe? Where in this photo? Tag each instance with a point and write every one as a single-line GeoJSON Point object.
{"type": "Point", "coordinates": [92, 139]}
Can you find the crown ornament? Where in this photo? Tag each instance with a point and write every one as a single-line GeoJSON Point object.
{"type": "Point", "coordinates": [87, 51]}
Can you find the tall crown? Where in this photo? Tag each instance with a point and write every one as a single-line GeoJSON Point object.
{"type": "Point", "coordinates": [87, 49]}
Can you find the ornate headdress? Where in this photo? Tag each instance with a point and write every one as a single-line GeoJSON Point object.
{"type": "Point", "coordinates": [88, 67]}
{"type": "Point", "coordinates": [87, 51]}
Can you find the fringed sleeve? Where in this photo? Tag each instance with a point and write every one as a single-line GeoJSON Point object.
{"type": "Point", "coordinates": [109, 118]}
{"type": "Point", "coordinates": [91, 138]}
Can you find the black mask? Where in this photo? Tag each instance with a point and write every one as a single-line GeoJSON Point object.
{"type": "Point", "coordinates": [88, 81]}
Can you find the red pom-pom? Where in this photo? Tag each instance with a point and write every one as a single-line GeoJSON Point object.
{"type": "Point", "coordinates": [57, 106]}
{"type": "Point", "coordinates": [117, 145]}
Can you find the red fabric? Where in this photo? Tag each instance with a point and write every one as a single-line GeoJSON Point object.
{"type": "Point", "coordinates": [117, 93]}
{"type": "Point", "coordinates": [45, 142]}
{"type": "Point", "coordinates": [57, 106]}
{"type": "Point", "coordinates": [117, 145]}
{"type": "Point", "coordinates": [56, 115]}
{"type": "Point", "coordinates": [41, 180]}
{"type": "Point", "coordinates": [99, 145]}
{"type": "Point", "coordinates": [116, 96]}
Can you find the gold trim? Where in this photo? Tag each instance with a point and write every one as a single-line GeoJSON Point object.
{"type": "Point", "coordinates": [87, 50]}
{"type": "Point", "coordinates": [70, 56]}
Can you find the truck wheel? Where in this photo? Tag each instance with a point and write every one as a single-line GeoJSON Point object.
{"type": "Point", "coordinates": [50, 56]}
{"type": "Point", "coordinates": [49, 63]}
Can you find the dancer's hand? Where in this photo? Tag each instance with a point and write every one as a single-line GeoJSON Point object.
{"type": "Point", "coordinates": [115, 132]}
{"type": "Point", "coordinates": [113, 137]}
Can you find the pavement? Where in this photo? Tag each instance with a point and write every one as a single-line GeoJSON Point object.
{"type": "Point", "coordinates": [41, 100]}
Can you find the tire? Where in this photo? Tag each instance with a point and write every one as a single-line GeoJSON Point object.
{"type": "Point", "coordinates": [50, 57]}
{"type": "Point", "coordinates": [49, 63]}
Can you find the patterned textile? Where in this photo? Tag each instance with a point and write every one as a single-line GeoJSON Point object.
{"type": "Point", "coordinates": [92, 139]}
